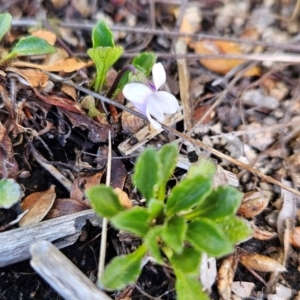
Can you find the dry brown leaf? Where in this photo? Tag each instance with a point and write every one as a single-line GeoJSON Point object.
{"type": "Point", "coordinates": [35, 78]}
{"type": "Point", "coordinates": [64, 103]}
{"type": "Point", "coordinates": [225, 276]}
{"type": "Point", "coordinates": [2, 132]}
{"type": "Point", "coordinates": [253, 203]}
{"type": "Point", "coordinates": [263, 235]}
{"type": "Point", "coordinates": [70, 91]}
{"type": "Point", "coordinates": [131, 123]}
{"type": "Point", "coordinates": [295, 237]}
{"type": "Point", "coordinates": [62, 207]}
{"type": "Point", "coordinates": [261, 263]}
{"type": "Point", "coordinates": [221, 66]}
{"type": "Point", "coordinates": [49, 36]}
{"type": "Point", "coordinates": [123, 198]}
{"type": "Point", "coordinates": [83, 182]}
{"type": "Point", "coordinates": [66, 65]}
{"type": "Point", "coordinates": [9, 167]}
{"type": "Point", "coordinates": [38, 205]}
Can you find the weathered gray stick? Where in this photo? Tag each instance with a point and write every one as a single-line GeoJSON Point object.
{"type": "Point", "coordinates": [62, 274]}
{"type": "Point", "coordinates": [15, 243]}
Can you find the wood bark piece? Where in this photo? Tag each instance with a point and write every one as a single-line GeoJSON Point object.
{"type": "Point", "coordinates": [184, 84]}
{"type": "Point", "coordinates": [62, 274]}
{"type": "Point", "coordinates": [14, 244]}
{"type": "Point", "coordinates": [146, 134]}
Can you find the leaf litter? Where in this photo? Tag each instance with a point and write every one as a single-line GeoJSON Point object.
{"type": "Point", "coordinates": [256, 98]}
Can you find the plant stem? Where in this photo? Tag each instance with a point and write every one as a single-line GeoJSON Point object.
{"type": "Point", "coordinates": [118, 78]}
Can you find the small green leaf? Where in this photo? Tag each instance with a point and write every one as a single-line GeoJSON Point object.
{"type": "Point", "coordinates": [104, 58]}
{"type": "Point", "coordinates": [151, 240]}
{"type": "Point", "coordinates": [32, 45]}
{"type": "Point", "coordinates": [220, 203]}
{"type": "Point", "coordinates": [146, 173]}
{"type": "Point", "coordinates": [174, 232]}
{"type": "Point", "coordinates": [102, 35]}
{"type": "Point", "coordinates": [5, 24]}
{"type": "Point", "coordinates": [89, 103]}
{"type": "Point", "coordinates": [188, 193]}
{"type": "Point", "coordinates": [187, 262]}
{"type": "Point", "coordinates": [134, 220]}
{"type": "Point", "coordinates": [123, 270]}
{"type": "Point", "coordinates": [104, 201]}
{"type": "Point", "coordinates": [235, 229]}
{"type": "Point", "coordinates": [204, 166]}
{"type": "Point", "coordinates": [155, 208]}
{"type": "Point", "coordinates": [10, 193]}
{"type": "Point", "coordinates": [168, 158]}
{"type": "Point", "coordinates": [206, 236]}
{"type": "Point", "coordinates": [144, 62]}
{"type": "Point", "coordinates": [188, 287]}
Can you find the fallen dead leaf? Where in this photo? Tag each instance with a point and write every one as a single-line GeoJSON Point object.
{"type": "Point", "coordinates": [49, 36]}
{"type": "Point", "coordinates": [38, 205]}
{"type": "Point", "coordinates": [225, 276]}
{"type": "Point", "coordinates": [97, 132]}
{"type": "Point", "coordinates": [69, 90]}
{"type": "Point", "coordinates": [35, 78]}
{"type": "Point", "coordinates": [261, 263]}
{"type": "Point", "coordinates": [62, 207]}
{"type": "Point", "coordinates": [64, 103]}
{"type": "Point", "coordinates": [9, 167]}
{"type": "Point", "coordinates": [263, 235]}
{"type": "Point", "coordinates": [253, 203]}
{"type": "Point", "coordinates": [221, 66]}
{"type": "Point", "coordinates": [295, 237]}
{"type": "Point", "coordinates": [84, 182]}
{"type": "Point", "coordinates": [66, 65]}
{"type": "Point", "coordinates": [123, 198]}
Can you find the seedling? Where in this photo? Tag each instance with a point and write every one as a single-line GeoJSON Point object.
{"type": "Point", "coordinates": [26, 46]}
{"type": "Point", "coordinates": [175, 229]}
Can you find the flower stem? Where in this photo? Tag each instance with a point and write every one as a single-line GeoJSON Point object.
{"type": "Point", "coordinates": [118, 78]}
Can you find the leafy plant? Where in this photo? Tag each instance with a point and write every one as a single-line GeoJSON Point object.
{"type": "Point", "coordinates": [175, 230]}
{"type": "Point", "coordinates": [104, 52]}
{"type": "Point", "coordinates": [26, 46]}
{"type": "Point", "coordinates": [10, 193]}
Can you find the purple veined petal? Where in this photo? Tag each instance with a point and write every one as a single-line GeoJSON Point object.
{"type": "Point", "coordinates": [158, 75]}
{"type": "Point", "coordinates": [136, 92]}
{"type": "Point", "coordinates": [154, 108]}
{"type": "Point", "coordinates": [167, 102]}
{"type": "Point", "coordinates": [141, 107]}
{"type": "Point", "coordinates": [155, 124]}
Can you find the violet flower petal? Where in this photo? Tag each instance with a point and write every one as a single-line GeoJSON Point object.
{"type": "Point", "coordinates": [158, 75]}
{"type": "Point", "coordinates": [136, 92]}
{"type": "Point", "coordinates": [167, 102]}
{"type": "Point", "coordinates": [155, 124]}
{"type": "Point", "coordinates": [154, 108]}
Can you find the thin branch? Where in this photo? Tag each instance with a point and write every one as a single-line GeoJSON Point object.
{"type": "Point", "coordinates": [88, 26]}
{"type": "Point", "coordinates": [187, 138]}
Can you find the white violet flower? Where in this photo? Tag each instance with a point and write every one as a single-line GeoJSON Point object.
{"type": "Point", "coordinates": [148, 100]}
